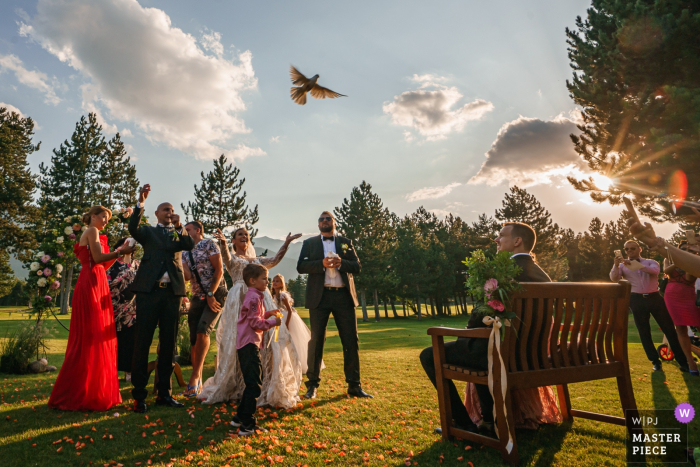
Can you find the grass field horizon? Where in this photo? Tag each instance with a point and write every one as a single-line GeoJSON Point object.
{"type": "Point", "coordinates": [393, 428]}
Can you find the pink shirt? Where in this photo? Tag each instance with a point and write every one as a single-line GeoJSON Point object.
{"type": "Point", "coordinates": [252, 322]}
{"type": "Point", "coordinates": [645, 280]}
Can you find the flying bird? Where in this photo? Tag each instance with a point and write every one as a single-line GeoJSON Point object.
{"type": "Point", "coordinates": [308, 85]}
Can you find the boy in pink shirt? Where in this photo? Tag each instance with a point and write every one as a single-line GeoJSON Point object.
{"type": "Point", "coordinates": [252, 323]}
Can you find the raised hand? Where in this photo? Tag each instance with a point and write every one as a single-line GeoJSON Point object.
{"type": "Point", "coordinates": [175, 219]}
{"type": "Point", "coordinates": [219, 235]}
{"type": "Point", "coordinates": [291, 238]}
{"type": "Point", "coordinates": [144, 192]}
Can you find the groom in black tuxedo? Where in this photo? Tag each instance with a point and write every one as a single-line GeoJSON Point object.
{"type": "Point", "coordinates": [516, 238]}
{"type": "Point", "coordinates": [159, 287]}
{"type": "Point", "coordinates": [331, 289]}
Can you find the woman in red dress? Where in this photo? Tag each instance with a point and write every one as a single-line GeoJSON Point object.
{"type": "Point", "coordinates": [680, 301]}
{"type": "Point", "coordinates": [88, 378]}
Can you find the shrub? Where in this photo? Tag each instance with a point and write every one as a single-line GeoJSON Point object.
{"type": "Point", "coordinates": [21, 346]}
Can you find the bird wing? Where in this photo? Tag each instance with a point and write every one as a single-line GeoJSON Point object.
{"type": "Point", "coordinates": [319, 92]}
{"type": "Point", "coordinates": [297, 77]}
{"type": "Point", "coordinates": [298, 95]}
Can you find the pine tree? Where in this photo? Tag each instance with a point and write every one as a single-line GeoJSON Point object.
{"type": "Point", "coordinates": [71, 184]}
{"type": "Point", "coordinates": [219, 203]}
{"type": "Point", "coordinates": [365, 221]}
{"type": "Point", "coordinates": [17, 184]}
{"type": "Point", "coordinates": [636, 68]}
{"type": "Point", "coordinates": [117, 176]}
{"type": "Point", "coordinates": [521, 206]}
{"type": "Point", "coordinates": [7, 276]}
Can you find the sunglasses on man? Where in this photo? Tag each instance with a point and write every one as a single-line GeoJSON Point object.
{"type": "Point", "coordinates": [325, 218]}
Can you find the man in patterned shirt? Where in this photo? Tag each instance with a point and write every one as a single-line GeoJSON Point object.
{"type": "Point", "coordinates": [203, 268]}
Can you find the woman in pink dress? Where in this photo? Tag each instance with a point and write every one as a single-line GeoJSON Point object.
{"type": "Point", "coordinates": [88, 377]}
{"type": "Point", "coordinates": [680, 301]}
{"type": "Point", "coordinates": [532, 407]}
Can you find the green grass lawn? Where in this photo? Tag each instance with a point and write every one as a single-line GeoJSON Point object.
{"type": "Point", "coordinates": [387, 430]}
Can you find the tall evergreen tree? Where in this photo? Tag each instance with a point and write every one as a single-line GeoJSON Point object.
{"type": "Point", "coordinates": [637, 79]}
{"type": "Point", "coordinates": [17, 184]}
{"type": "Point", "coordinates": [521, 206]}
{"type": "Point", "coordinates": [70, 185]}
{"type": "Point", "coordinates": [365, 221]}
{"type": "Point", "coordinates": [220, 201]}
{"type": "Point", "coordinates": [7, 276]}
{"type": "Point", "coordinates": [117, 176]}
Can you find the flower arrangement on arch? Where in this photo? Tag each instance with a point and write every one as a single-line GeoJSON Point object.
{"type": "Point", "coordinates": [49, 264]}
{"type": "Point", "coordinates": [490, 282]}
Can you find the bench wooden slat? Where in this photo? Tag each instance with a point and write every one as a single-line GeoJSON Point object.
{"type": "Point", "coordinates": [566, 333]}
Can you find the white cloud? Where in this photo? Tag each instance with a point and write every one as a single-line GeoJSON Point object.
{"type": "Point", "coordinates": [408, 136]}
{"type": "Point", "coordinates": [530, 151]}
{"type": "Point", "coordinates": [11, 108]}
{"type": "Point", "coordinates": [141, 69]}
{"type": "Point", "coordinates": [440, 213]}
{"type": "Point", "coordinates": [430, 112]}
{"type": "Point", "coordinates": [242, 151]}
{"type": "Point", "coordinates": [33, 79]}
{"type": "Point", "coordinates": [211, 41]}
{"type": "Point", "coordinates": [275, 139]}
{"type": "Point", "coordinates": [432, 192]}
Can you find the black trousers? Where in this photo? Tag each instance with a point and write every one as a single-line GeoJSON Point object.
{"type": "Point", "coordinates": [251, 367]}
{"type": "Point", "coordinates": [159, 308]}
{"type": "Point", "coordinates": [340, 304]}
{"type": "Point", "coordinates": [472, 353]}
{"type": "Point", "coordinates": [644, 305]}
{"type": "Point", "coordinates": [125, 347]}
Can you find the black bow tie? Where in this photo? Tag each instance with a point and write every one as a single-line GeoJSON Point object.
{"type": "Point", "coordinates": [328, 239]}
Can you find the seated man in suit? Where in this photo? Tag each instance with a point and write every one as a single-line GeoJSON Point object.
{"type": "Point", "coordinates": [516, 238]}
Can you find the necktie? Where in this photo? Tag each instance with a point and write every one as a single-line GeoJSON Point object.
{"type": "Point", "coordinates": [328, 239]}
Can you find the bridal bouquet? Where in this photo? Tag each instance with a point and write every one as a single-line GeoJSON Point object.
{"type": "Point", "coordinates": [490, 281]}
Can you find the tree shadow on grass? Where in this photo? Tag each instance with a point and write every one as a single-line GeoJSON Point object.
{"type": "Point", "coordinates": [535, 447]}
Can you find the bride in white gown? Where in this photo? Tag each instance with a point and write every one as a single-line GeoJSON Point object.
{"type": "Point", "coordinates": [281, 365]}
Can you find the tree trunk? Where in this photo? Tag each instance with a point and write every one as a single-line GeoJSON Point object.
{"type": "Point", "coordinates": [403, 306]}
{"type": "Point", "coordinates": [365, 318]}
{"type": "Point", "coordinates": [432, 307]}
{"type": "Point", "coordinates": [386, 311]}
{"type": "Point", "coordinates": [393, 309]}
{"type": "Point", "coordinates": [65, 293]}
{"type": "Point", "coordinates": [420, 318]}
{"type": "Point", "coordinates": [376, 306]}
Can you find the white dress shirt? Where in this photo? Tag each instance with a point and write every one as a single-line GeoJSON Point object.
{"type": "Point", "coordinates": [336, 281]}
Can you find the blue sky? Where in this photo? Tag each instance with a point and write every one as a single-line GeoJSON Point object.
{"type": "Point", "coordinates": [448, 103]}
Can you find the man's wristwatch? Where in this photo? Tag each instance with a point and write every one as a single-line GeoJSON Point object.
{"type": "Point", "coordinates": [210, 294]}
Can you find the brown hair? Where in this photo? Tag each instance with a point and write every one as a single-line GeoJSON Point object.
{"type": "Point", "coordinates": [198, 225]}
{"type": "Point", "coordinates": [284, 285]}
{"type": "Point", "coordinates": [252, 271]}
{"type": "Point", "coordinates": [525, 232]}
{"type": "Point", "coordinates": [94, 211]}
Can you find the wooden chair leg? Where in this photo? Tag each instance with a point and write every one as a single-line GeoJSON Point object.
{"type": "Point", "coordinates": [442, 388]}
{"type": "Point", "coordinates": [501, 428]}
{"type": "Point", "coordinates": [627, 400]}
{"type": "Point", "coordinates": [564, 402]}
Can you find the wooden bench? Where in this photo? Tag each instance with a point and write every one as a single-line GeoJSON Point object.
{"type": "Point", "coordinates": [565, 333]}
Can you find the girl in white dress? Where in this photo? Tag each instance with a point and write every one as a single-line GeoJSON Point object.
{"type": "Point", "coordinates": [297, 327]}
{"type": "Point", "coordinates": [281, 368]}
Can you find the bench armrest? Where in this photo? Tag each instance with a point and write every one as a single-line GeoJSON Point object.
{"type": "Point", "coordinates": [483, 333]}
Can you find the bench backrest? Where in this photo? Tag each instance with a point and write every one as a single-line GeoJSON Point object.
{"type": "Point", "coordinates": [565, 324]}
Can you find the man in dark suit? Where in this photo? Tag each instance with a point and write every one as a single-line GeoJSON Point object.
{"type": "Point", "coordinates": [518, 239]}
{"type": "Point", "coordinates": [159, 287]}
{"type": "Point", "coordinates": [330, 261]}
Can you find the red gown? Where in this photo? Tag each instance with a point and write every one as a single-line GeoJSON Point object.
{"type": "Point", "coordinates": [88, 377]}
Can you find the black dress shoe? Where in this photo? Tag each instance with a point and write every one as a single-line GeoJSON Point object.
{"type": "Point", "coordinates": [168, 401]}
{"type": "Point", "coordinates": [310, 394]}
{"type": "Point", "coordinates": [140, 407]}
{"type": "Point", "coordinates": [358, 392]}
